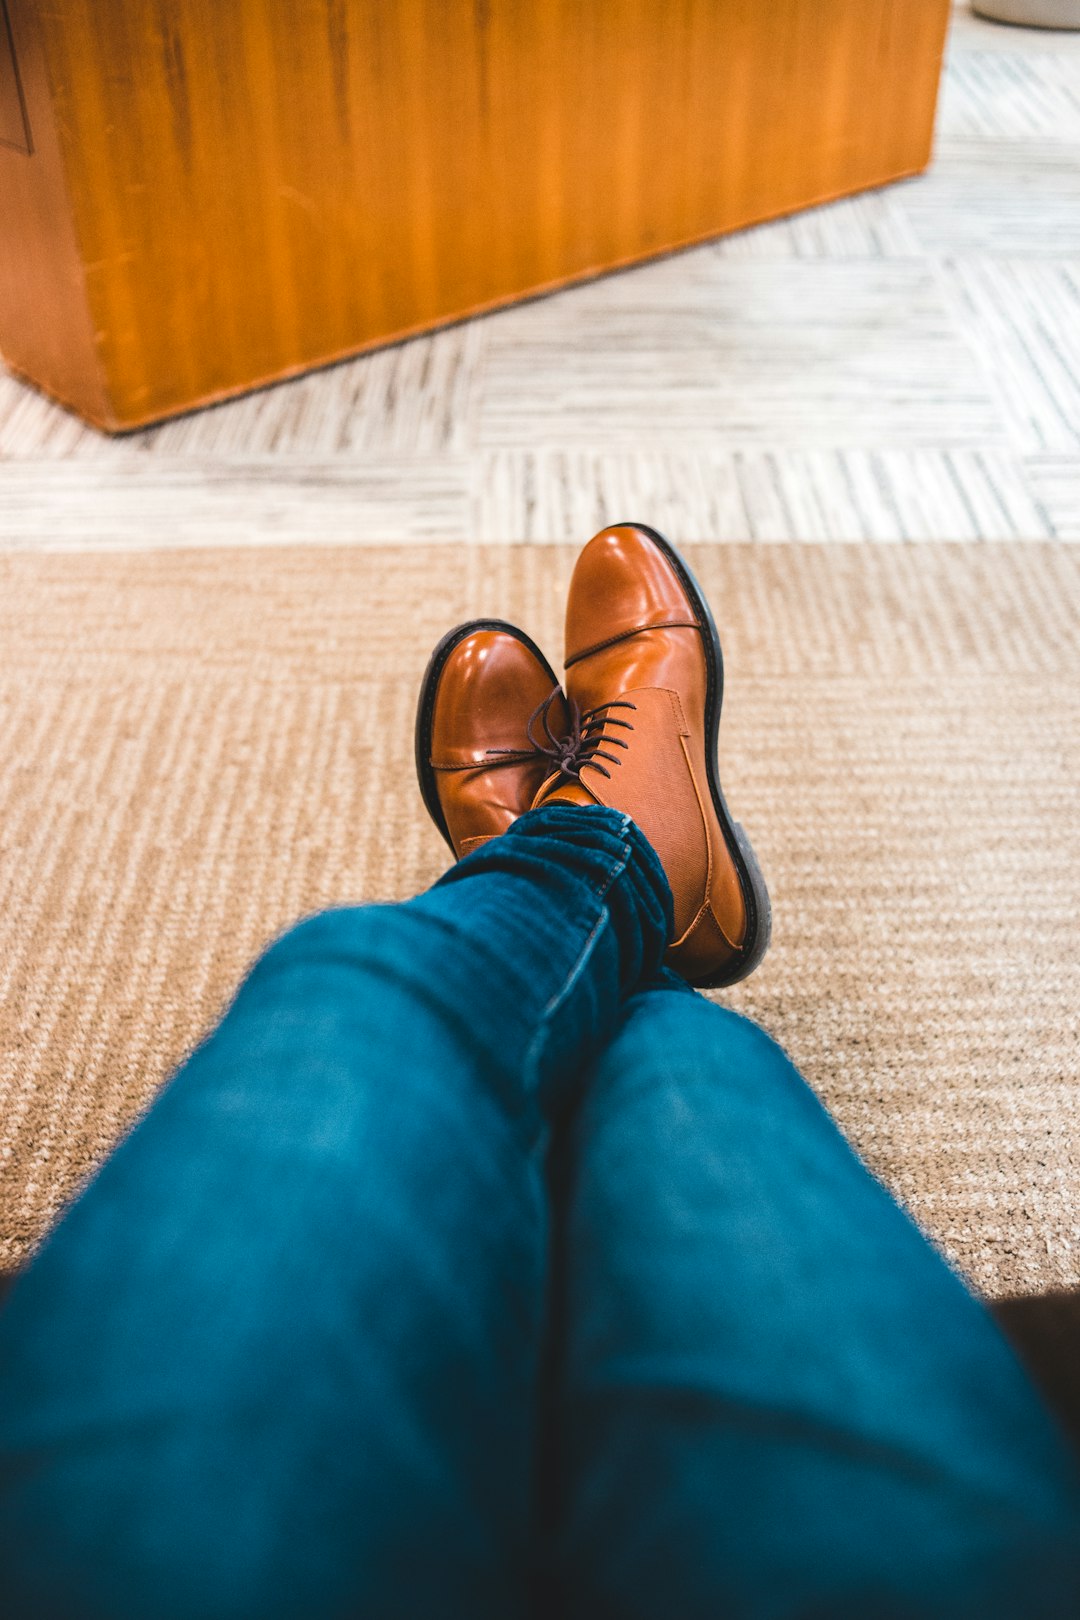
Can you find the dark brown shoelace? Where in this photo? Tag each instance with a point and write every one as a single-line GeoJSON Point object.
{"type": "Point", "coordinates": [583, 744]}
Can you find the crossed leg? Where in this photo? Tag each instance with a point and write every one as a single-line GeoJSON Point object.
{"type": "Point", "coordinates": [773, 1398]}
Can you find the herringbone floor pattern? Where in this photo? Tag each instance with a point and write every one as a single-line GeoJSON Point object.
{"type": "Point", "coordinates": [899, 365]}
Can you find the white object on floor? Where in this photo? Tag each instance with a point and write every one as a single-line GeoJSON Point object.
{"type": "Point", "coordinates": [1032, 13]}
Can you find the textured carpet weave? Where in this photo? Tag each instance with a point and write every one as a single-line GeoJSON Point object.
{"type": "Point", "coordinates": [197, 748]}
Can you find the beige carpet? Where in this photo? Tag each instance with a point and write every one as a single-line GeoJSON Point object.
{"type": "Point", "coordinates": [196, 748]}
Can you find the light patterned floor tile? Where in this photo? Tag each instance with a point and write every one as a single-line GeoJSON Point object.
{"type": "Point", "coordinates": [904, 363]}
{"type": "Point", "coordinates": [759, 495]}
{"type": "Point", "coordinates": [411, 399]}
{"type": "Point", "coordinates": [997, 197]}
{"type": "Point", "coordinates": [1022, 322]}
{"type": "Point", "coordinates": [154, 502]}
{"type": "Point", "coordinates": [993, 95]}
{"type": "Point", "coordinates": [701, 350]}
{"type": "Point", "coordinates": [870, 226]}
{"type": "Point", "coordinates": [32, 425]}
{"type": "Point", "coordinates": [568, 495]}
{"type": "Point", "coordinates": [1057, 485]}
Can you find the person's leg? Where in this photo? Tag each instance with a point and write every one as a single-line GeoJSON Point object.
{"type": "Point", "coordinates": [279, 1359]}
{"type": "Point", "coordinates": [772, 1398]}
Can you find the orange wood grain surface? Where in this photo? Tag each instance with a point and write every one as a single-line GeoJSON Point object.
{"type": "Point", "coordinates": [14, 126]}
{"type": "Point", "coordinates": [45, 320]}
{"type": "Point", "coordinates": [261, 187]}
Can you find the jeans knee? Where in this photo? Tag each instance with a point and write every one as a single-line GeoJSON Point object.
{"type": "Point", "coordinates": [709, 1042]}
{"type": "Point", "coordinates": [751, 1041]}
{"type": "Point", "coordinates": [337, 937]}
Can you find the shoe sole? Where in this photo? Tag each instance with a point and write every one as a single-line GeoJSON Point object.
{"type": "Point", "coordinates": [425, 708]}
{"type": "Point", "coordinates": [754, 890]}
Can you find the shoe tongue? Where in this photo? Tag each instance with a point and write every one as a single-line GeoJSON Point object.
{"type": "Point", "coordinates": [560, 789]}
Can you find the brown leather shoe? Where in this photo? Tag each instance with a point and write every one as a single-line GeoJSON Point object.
{"type": "Point", "coordinates": [645, 681]}
{"type": "Point", "coordinates": [486, 689]}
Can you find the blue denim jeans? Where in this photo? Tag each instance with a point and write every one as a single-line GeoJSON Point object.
{"type": "Point", "coordinates": [474, 1267]}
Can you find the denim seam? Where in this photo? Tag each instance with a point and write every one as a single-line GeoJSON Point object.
{"type": "Point", "coordinates": [557, 1000]}
{"type": "Point", "coordinates": [620, 866]}
{"type": "Point", "coordinates": [532, 1062]}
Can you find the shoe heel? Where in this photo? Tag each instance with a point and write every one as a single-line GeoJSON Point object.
{"type": "Point", "coordinates": [758, 944]}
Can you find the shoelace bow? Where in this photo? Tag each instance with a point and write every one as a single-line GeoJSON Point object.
{"type": "Point", "coordinates": [583, 744]}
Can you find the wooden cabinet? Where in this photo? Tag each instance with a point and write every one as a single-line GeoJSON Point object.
{"type": "Point", "coordinates": [222, 192]}
{"type": "Point", "coordinates": [14, 129]}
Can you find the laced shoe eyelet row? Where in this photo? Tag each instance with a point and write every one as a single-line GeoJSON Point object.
{"type": "Point", "coordinates": [583, 746]}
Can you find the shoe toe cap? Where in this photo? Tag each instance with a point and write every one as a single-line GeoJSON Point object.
{"type": "Point", "coordinates": [623, 582]}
